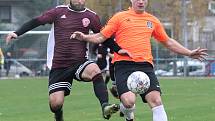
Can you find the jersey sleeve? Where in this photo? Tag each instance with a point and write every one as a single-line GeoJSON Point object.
{"type": "Point", "coordinates": [48, 16]}
{"type": "Point", "coordinates": [96, 24]}
{"type": "Point", "coordinates": [159, 33]}
{"type": "Point", "coordinates": [111, 27]}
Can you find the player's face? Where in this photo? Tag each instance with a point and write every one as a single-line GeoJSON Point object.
{"type": "Point", "coordinates": [139, 5]}
{"type": "Point", "coordinates": [77, 4]}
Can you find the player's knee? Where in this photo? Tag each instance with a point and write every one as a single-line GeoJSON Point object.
{"type": "Point", "coordinates": [128, 103]}
{"type": "Point", "coordinates": [128, 100]}
{"type": "Point", "coordinates": [155, 101]}
{"type": "Point", "coordinates": [91, 71]}
{"type": "Point", "coordinates": [95, 71]}
{"type": "Point", "coordinates": [56, 101]}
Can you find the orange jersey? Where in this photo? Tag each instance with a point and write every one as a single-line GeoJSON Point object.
{"type": "Point", "coordinates": [133, 33]}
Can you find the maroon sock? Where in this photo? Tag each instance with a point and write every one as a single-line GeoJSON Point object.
{"type": "Point", "coordinates": [100, 88]}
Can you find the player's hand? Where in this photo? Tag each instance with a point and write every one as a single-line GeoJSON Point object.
{"type": "Point", "coordinates": [199, 54]}
{"type": "Point", "coordinates": [124, 53]}
{"type": "Point", "coordinates": [77, 35]}
{"type": "Point", "coordinates": [10, 36]}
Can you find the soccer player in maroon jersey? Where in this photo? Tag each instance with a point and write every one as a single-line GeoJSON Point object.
{"type": "Point", "coordinates": [67, 57]}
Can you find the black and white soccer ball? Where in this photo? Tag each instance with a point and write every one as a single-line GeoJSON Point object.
{"type": "Point", "coordinates": [138, 82]}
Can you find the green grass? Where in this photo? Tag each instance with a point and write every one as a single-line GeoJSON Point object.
{"type": "Point", "coordinates": [185, 99]}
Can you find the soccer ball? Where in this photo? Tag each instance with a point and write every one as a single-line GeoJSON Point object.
{"type": "Point", "coordinates": [138, 82]}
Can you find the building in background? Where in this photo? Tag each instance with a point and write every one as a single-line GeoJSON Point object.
{"type": "Point", "coordinates": [11, 11]}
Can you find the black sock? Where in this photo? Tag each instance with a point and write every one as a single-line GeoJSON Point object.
{"type": "Point", "coordinates": [58, 112]}
{"type": "Point", "coordinates": [107, 79]}
{"type": "Point", "coordinates": [59, 115]}
{"type": "Point", "coordinates": [100, 88]}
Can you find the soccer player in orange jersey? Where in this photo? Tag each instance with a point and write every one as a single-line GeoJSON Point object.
{"type": "Point", "coordinates": [133, 29]}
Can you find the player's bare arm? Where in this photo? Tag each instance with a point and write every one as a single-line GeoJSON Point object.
{"type": "Point", "coordinates": [176, 47]}
{"type": "Point", "coordinates": [94, 38]}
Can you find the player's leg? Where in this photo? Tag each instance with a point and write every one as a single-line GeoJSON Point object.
{"type": "Point", "coordinates": [58, 88]}
{"type": "Point", "coordinates": [127, 106]}
{"type": "Point", "coordinates": [155, 102]}
{"type": "Point", "coordinates": [91, 72]}
{"type": "Point", "coordinates": [56, 101]}
{"type": "Point", "coordinates": [153, 98]}
{"type": "Point", "coordinates": [127, 98]}
{"type": "Point", "coordinates": [104, 71]}
{"type": "Point", "coordinates": [113, 88]}
{"type": "Point", "coordinates": [106, 76]}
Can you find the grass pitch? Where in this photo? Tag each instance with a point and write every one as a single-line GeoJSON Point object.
{"type": "Point", "coordinates": [185, 99]}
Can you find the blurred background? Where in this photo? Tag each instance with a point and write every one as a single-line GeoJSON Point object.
{"type": "Point", "coordinates": [191, 22]}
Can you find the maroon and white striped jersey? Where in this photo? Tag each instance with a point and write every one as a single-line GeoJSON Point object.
{"type": "Point", "coordinates": [63, 51]}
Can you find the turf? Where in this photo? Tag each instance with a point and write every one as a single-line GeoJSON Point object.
{"type": "Point", "coordinates": [185, 99]}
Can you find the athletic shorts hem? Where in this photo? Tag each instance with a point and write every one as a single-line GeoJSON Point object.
{"type": "Point", "coordinates": [66, 91]}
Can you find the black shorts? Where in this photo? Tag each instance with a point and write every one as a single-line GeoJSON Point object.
{"type": "Point", "coordinates": [102, 63]}
{"type": "Point", "coordinates": [124, 68]}
{"type": "Point", "coordinates": [60, 79]}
